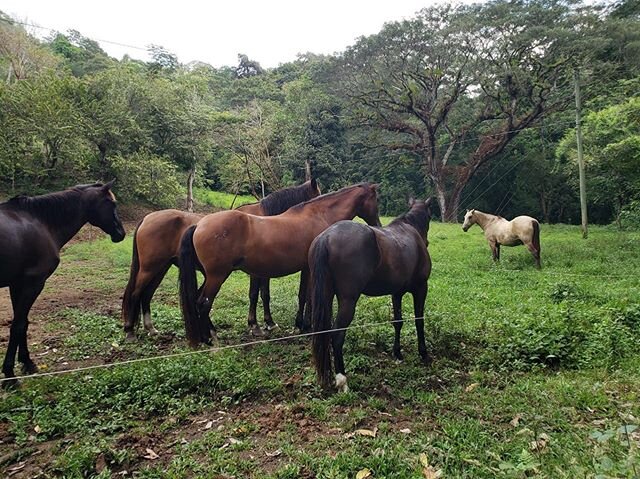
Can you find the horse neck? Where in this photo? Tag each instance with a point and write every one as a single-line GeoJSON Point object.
{"type": "Point", "coordinates": [63, 217]}
{"type": "Point", "coordinates": [338, 206]}
{"type": "Point", "coordinates": [483, 219]}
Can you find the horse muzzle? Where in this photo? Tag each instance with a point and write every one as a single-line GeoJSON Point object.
{"type": "Point", "coordinates": [118, 235]}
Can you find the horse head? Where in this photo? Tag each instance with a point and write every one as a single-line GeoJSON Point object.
{"type": "Point", "coordinates": [102, 211]}
{"type": "Point", "coordinates": [468, 220]}
{"type": "Point", "coordinates": [368, 207]}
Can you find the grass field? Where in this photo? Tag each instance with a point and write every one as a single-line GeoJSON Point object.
{"type": "Point", "coordinates": [220, 199]}
{"type": "Point", "coordinates": [536, 374]}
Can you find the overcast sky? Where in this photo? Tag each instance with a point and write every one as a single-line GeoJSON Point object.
{"type": "Point", "coordinates": [269, 31]}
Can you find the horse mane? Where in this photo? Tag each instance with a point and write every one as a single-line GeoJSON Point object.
{"type": "Point", "coordinates": [281, 200]}
{"type": "Point", "coordinates": [418, 217]}
{"type": "Point", "coordinates": [52, 208]}
{"type": "Point", "coordinates": [329, 195]}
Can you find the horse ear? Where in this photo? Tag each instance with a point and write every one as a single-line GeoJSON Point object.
{"type": "Point", "coordinates": [376, 188]}
{"type": "Point", "coordinates": [107, 186]}
{"type": "Point", "coordinates": [411, 201]}
{"type": "Point", "coordinates": [428, 201]}
{"type": "Point", "coordinates": [314, 183]}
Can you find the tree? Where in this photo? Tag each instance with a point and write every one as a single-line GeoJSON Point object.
{"type": "Point", "coordinates": [612, 154]}
{"type": "Point", "coordinates": [456, 84]}
{"type": "Point", "coordinates": [20, 54]}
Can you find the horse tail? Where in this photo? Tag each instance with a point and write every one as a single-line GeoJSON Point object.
{"type": "Point", "coordinates": [131, 308]}
{"type": "Point", "coordinates": [188, 283]}
{"type": "Point", "coordinates": [536, 235]}
{"type": "Point", "coordinates": [321, 303]}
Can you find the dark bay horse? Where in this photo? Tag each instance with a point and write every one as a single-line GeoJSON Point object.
{"type": "Point", "coordinates": [350, 259]}
{"type": "Point", "coordinates": [156, 244]}
{"type": "Point", "coordinates": [32, 231]}
{"type": "Point", "coordinates": [499, 231]}
{"type": "Point", "coordinates": [262, 246]}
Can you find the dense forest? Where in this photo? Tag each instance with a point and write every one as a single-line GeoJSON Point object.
{"type": "Point", "coordinates": [473, 104]}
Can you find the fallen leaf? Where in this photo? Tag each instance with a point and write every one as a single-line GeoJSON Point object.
{"type": "Point", "coordinates": [275, 453]}
{"type": "Point", "coordinates": [430, 472]}
{"type": "Point", "coordinates": [37, 429]}
{"type": "Point", "coordinates": [101, 463]}
{"type": "Point", "coordinates": [539, 444]}
{"type": "Point", "coordinates": [151, 454]}
{"type": "Point", "coordinates": [364, 473]}
{"type": "Point", "coordinates": [424, 460]}
{"type": "Point", "coordinates": [233, 440]}
{"type": "Point", "coordinates": [208, 425]}
{"type": "Point", "coordinates": [367, 432]}
{"type": "Point", "coordinates": [516, 420]}
{"type": "Point", "coordinates": [471, 387]}
{"type": "Point", "coordinates": [475, 462]}
{"type": "Point", "coordinates": [405, 431]}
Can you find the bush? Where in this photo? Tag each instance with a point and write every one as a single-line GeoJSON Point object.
{"type": "Point", "coordinates": [145, 176]}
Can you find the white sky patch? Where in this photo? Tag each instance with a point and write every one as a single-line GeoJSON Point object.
{"type": "Point", "coordinates": [271, 32]}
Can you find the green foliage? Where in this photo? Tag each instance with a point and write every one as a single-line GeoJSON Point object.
{"type": "Point", "coordinates": [220, 199]}
{"type": "Point", "coordinates": [145, 176]}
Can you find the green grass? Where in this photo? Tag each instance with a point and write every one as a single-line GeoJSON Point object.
{"type": "Point", "coordinates": [220, 199]}
{"type": "Point", "coordinates": [536, 374]}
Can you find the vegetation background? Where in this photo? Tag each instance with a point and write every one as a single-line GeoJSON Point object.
{"type": "Point", "coordinates": [471, 103]}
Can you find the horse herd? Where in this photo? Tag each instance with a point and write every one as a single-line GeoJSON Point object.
{"type": "Point", "coordinates": [297, 229]}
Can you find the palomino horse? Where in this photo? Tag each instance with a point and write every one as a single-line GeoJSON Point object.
{"type": "Point", "coordinates": [156, 244]}
{"type": "Point", "coordinates": [266, 247]}
{"type": "Point", "coordinates": [32, 231]}
{"type": "Point", "coordinates": [350, 259]}
{"type": "Point", "coordinates": [498, 231]}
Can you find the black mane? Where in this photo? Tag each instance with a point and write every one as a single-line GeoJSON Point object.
{"type": "Point", "coordinates": [418, 216]}
{"type": "Point", "coordinates": [52, 208]}
{"type": "Point", "coordinates": [281, 200]}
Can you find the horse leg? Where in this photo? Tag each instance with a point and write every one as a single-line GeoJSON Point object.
{"type": "Point", "coordinates": [535, 252]}
{"type": "Point", "coordinates": [22, 298]}
{"type": "Point", "coordinates": [495, 250]}
{"type": "Point", "coordinates": [419, 298]}
{"type": "Point", "coordinates": [254, 290]}
{"type": "Point", "coordinates": [346, 310]}
{"type": "Point", "coordinates": [265, 294]}
{"type": "Point", "coordinates": [208, 294]}
{"type": "Point", "coordinates": [145, 300]}
{"type": "Point", "coordinates": [397, 324]}
{"type": "Point", "coordinates": [132, 298]}
{"type": "Point", "coordinates": [300, 324]}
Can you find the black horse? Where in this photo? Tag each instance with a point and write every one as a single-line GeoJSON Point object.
{"type": "Point", "coordinates": [349, 259]}
{"type": "Point", "coordinates": [32, 231]}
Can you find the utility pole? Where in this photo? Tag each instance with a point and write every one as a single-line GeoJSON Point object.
{"type": "Point", "coordinates": [583, 179]}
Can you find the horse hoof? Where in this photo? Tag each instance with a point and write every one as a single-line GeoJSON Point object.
{"type": "Point", "coordinates": [398, 355]}
{"type": "Point", "coordinates": [256, 332]}
{"type": "Point", "coordinates": [153, 332]}
{"type": "Point", "coordinates": [426, 359]}
{"type": "Point", "coordinates": [341, 383]}
{"type": "Point", "coordinates": [271, 326]}
{"type": "Point", "coordinates": [11, 385]}
{"type": "Point", "coordinates": [29, 368]}
{"type": "Point", "coordinates": [130, 338]}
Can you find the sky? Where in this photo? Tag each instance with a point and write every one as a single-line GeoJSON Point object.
{"type": "Point", "coordinates": [271, 32]}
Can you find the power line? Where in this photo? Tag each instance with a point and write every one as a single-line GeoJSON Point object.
{"type": "Point", "coordinates": [111, 42]}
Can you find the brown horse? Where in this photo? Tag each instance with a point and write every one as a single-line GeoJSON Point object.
{"type": "Point", "coordinates": [32, 231]}
{"type": "Point", "coordinates": [499, 231]}
{"type": "Point", "coordinates": [156, 244]}
{"type": "Point", "coordinates": [348, 260]}
{"type": "Point", "coordinates": [266, 247]}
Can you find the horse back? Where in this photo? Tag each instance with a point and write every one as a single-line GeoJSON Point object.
{"type": "Point", "coordinates": [158, 235]}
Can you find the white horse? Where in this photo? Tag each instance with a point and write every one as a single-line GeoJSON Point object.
{"type": "Point", "coordinates": [498, 231]}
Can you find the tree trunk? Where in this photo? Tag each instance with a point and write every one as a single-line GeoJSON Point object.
{"type": "Point", "coordinates": [307, 170]}
{"type": "Point", "coordinates": [448, 205]}
{"type": "Point", "coordinates": [192, 174]}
